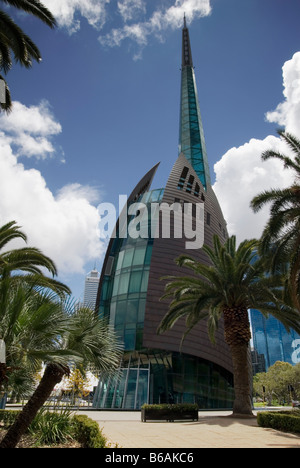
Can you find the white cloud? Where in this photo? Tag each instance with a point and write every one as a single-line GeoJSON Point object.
{"type": "Point", "coordinates": [241, 174]}
{"type": "Point", "coordinates": [160, 20]}
{"type": "Point", "coordinates": [67, 12]}
{"type": "Point", "coordinates": [287, 113]}
{"type": "Point", "coordinates": [31, 129]}
{"type": "Point", "coordinates": [65, 226]}
{"type": "Point", "coordinates": [130, 9]}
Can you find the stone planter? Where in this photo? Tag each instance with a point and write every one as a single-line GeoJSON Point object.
{"type": "Point", "coordinates": [169, 412]}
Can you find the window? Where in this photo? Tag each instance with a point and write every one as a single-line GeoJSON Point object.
{"type": "Point", "coordinates": [190, 184]}
{"type": "Point", "coordinates": [139, 255]}
{"type": "Point", "coordinates": [128, 256]}
{"type": "Point", "coordinates": [197, 190]}
{"type": "Point", "coordinates": [182, 178]}
{"type": "Point", "coordinates": [135, 282]}
{"type": "Point", "coordinates": [123, 283]}
{"type": "Point", "coordinates": [208, 218]}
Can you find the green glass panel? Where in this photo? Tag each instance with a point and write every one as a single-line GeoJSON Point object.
{"type": "Point", "coordinates": [116, 285]}
{"type": "Point", "coordinates": [141, 311]}
{"type": "Point", "coordinates": [120, 260]}
{"type": "Point", "coordinates": [145, 278]}
{"type": "Point", "coordinates": [135, 282]}
{"type": "Point", "coordinates": [123, 283]}
{"type": "Point", "coordinates": [148, 254]}
{"type": "Point", "coordinates": [128, 256]}
{"type": "Point", "coordinates": [132, 311]}
{"type": "Point", "coordinates": [120, 312]}
{"type": "Point", "coordinates": [139, 255]}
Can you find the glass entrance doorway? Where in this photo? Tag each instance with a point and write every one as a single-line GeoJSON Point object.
{"type": "Point", "coordinates": [129, 390]}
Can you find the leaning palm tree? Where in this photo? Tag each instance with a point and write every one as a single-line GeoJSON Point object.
{"type": "Point", "coordinates": [280, 240]}
{"type": "Point", "coordinates": [57, 333]}
{"type": "Point", "coordinates": [233, 283]}
{"type": "Point", "coordinates": [14, 43]}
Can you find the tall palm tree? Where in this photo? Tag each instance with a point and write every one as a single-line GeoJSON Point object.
{"type": "Point", "coordinates": [233, 283]}
{"type": "Point", "coordinates": [13, 40]}
{"type": "Point", "coordinates": [58, 333]}
{"type": "Point", "coordinates": [280, 240]}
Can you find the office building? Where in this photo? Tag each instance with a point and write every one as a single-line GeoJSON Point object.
{"type": "Point", "coordinates": [91, 285]}
{"type": "Point", "coordinates": [272, 340]}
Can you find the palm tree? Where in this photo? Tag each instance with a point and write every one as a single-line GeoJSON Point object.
{"type": "Point", "coordinates": [28, 260]}
{"type": "Point", "coordinates": [280, 240]}
{"type": "Point", "coordinates": [58, 333]}
{"type": "Point", "coordinates": [14, 41]}
{"type": "Point", "coordinates": [233, 283]}
{"type": "Point", "coordinates": [20, 266]}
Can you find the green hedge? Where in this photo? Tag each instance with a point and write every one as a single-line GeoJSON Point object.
{"type": "Point", "coordinates": [287, 421]}
{"type": "Point", "coordinates": [86, 431]}
{"type": "Point", "coordinates": [178, 407]}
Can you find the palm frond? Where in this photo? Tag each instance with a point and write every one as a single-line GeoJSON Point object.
{"type": "Point", "coordinates": [34, 7]}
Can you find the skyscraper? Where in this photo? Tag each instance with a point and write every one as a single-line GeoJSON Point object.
{"type": "Point", "coordinates": [271, 340]}
{"type": "Point", "coordinates": [179, 218]}
{"type": "Point", "coordinates": [91, 285]}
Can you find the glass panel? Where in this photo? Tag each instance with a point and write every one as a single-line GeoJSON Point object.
{"type": "Point", "coordinates": [141, 314]}
{"type": "Point", "coordinates": [142, 393]}
{"type": "Point", "coordinates": [129, 337]}
{"type": "Point", "coordinates": [131, 389]}
{"type": "Point", "coordinates": [116, 285]}
{"type": "Point", "coordinates": [148, 254]}
{"type": "Point", "coordinates": [123, 284]}
{"type": "Point", "coordinates": [135, 281]}
{"type": "Point", "coordinates": [144, 284]}
{"type": "Point", "coordinates": [120, 312]}
{"type": "Point", "coordinates": [112, 313]}
{"type": "Point", "coordinates": [132, 310]}
{"type": "Point", "coordinates": [139, 255]}
{"type": "Point", "coordinates": [128, 258]}
{"type": "Point", "coordinates": [120, 260]}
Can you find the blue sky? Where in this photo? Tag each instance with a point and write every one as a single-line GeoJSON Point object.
{"type": "Point", "coordinates": [102, 108]}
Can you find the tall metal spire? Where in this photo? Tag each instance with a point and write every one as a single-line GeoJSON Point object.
{"type": "Point", "coordinates": [191, 135]}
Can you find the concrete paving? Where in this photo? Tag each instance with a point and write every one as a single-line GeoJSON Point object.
{"type": "Point", "coordinates": [213, 430]}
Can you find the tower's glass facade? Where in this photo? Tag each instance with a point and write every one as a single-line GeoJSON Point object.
{"type": "Point", "coordinates": [191, 135]}
{"type": "Point", "coordinates": [124, 290]}
{"type": "Point", "coordinates": [271, 339]}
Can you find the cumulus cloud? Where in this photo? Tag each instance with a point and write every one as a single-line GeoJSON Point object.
{"type": "Point", "coordinates": [65, 226]}
{"type": "Point", "coordinates": [30, 129]}
{"type": "Point", "coordinates": [160, 20]}
{"type": "Point", "coordinates": [241, 174]}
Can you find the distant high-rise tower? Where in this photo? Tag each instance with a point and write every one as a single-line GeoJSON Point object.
{"type": "Point", "coordinates": [91, 288]}
{"type": "Point", "coordinates": [155, 368]}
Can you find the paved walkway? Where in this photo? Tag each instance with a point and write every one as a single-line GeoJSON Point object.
{"type": "Point", "coordinates": [213, 430]}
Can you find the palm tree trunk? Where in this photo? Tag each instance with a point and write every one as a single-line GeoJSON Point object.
{"type": "Point", "coordinates": [52, 376]}
{"type": "Point", "coordinates": [242, 380]}
{"type": "Point", "coordinates": [237, 336]}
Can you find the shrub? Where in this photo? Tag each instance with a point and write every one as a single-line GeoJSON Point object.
{"type": "Point", "coordinates": [287, 421]}
{"type": "Point", "coordinates": [8, 417]}
{"type": "Point", "coordinates": [52, 427]}
{"type": "Point", "coordinates": [88, 433]}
